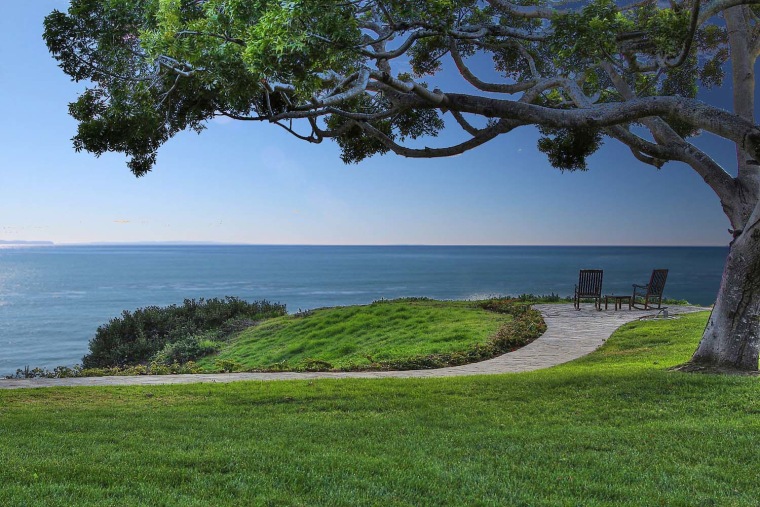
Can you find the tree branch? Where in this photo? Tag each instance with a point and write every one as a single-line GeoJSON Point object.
{"type": "Point", "coordinates": [694, 112]}
{"type": "Point", "coordinates": [482, 85]}
{"type": "Point", "coordinates": [466, 126]}
{"type": "Point", "coordinates": [361, 85]}
{"type": "Point", "coordinates": [482, 137]}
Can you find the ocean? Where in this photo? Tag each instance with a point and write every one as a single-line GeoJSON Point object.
{"type": "Point", "coordinates": [53, 298]}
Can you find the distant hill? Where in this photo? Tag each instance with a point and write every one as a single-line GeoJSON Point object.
{"type": "Point", "coordinates": [19, 242]}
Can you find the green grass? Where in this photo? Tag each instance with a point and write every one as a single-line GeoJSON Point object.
{"type": "Point", "coordinates": [356, 336]}
{"type": "Point", "coordinates": [614, 428]}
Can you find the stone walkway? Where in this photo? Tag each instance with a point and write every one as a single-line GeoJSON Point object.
{"type": "Point", "coordinates": [570, 334]}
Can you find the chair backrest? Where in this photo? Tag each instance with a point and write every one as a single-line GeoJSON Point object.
{"type": "Point", "coordinates": [657, 282]}
{"type": "Point", "coordinates": [590, 282]}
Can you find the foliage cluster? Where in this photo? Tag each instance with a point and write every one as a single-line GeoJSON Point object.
{"type": "Point", "coordinates": [166, 335]}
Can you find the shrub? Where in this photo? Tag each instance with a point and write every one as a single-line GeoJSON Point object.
{"type": "Point", "coordinates": [137, 336]}
{"type": "Point", "coordinates": [189, 348]}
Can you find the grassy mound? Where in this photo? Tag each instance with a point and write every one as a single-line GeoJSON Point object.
{"type": "Point", "coordinates": [614, 428]}
{"type": "Point", "coordinates": [393, 333]}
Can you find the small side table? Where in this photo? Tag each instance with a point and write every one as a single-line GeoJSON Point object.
{"type": "Point", "coordinates": [617, 300]}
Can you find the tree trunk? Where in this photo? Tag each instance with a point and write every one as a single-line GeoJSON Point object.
{"type": "Point", "coordinates": [732, 336]}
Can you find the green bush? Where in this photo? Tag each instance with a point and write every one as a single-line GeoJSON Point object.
{"type": "Point", "coordinates": [138, 336]}
{"type": "Point", "coordinates": [189, 348]}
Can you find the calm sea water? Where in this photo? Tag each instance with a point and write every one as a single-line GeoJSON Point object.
{"type": "Point", "coordinates": [52, 299]}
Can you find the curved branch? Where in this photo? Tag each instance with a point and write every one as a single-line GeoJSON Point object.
{"type": "Point", "coordinates": [482, 85]}
{"type": "Point", "coordinates": [689, 39]}
{"type": "Point", "coordinates": [312, 138]}
{"type": "Point", "coordinates": [403, 48]}
{"type": "Point", "coordinates": [466, 126]}
{"type": "Point", "coordinates": [639, 145]}
{"type": "Point", "coordinates": [482, 137]}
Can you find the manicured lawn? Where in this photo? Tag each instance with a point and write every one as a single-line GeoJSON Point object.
{"type": "Point", "coordinates": [360, 335]}
{"type": "Point", "coordinates": [614, 428]}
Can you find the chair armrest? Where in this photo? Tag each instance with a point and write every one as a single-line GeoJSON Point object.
{"type": "Point", "coordinates": [635, 285]}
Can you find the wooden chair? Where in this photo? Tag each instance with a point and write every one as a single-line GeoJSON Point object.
{"type": "Point", "coordinates": [652, 291]}
{"type": "Point", "coordinates": [589, 287]}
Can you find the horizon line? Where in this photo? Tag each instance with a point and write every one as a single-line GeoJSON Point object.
{"type": "Point", "coordinates": [223, 243]}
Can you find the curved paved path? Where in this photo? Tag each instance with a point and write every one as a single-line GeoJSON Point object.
{"type": "Point", "coordinates": [569, 335]}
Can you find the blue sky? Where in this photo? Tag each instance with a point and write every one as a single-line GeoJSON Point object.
{"type": "Point", "coordinates": [244, 183]}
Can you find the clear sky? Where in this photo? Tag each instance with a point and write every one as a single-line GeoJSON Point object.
{"type": "Point", "coordinates": [254, 183]}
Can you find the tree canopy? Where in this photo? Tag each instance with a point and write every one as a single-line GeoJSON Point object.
{"type": "Point", "coordinates": [161, 66]}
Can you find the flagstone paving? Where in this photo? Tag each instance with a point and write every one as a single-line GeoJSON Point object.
{"type": "Point", "coordinates": [570, 334]}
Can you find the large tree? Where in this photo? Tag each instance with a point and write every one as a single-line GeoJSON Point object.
{"type": "Point", "coordinates": [581, 72]}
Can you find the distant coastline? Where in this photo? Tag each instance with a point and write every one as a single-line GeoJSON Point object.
{"type": "Point", "coordinates": [24, 243]}
{"type": "Point", "coordinates": [327, 245]}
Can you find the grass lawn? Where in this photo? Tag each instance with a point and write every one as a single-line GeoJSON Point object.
{"type": "Point", "coordinates": [614, 428]}
{"type": "Point", "coordinates": [350, 336]}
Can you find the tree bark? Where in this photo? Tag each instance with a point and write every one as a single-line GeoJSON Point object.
{"type": "Point", "coordinates": [732, 336]}
{"type": "Point", "coordinates": [743, 83]}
